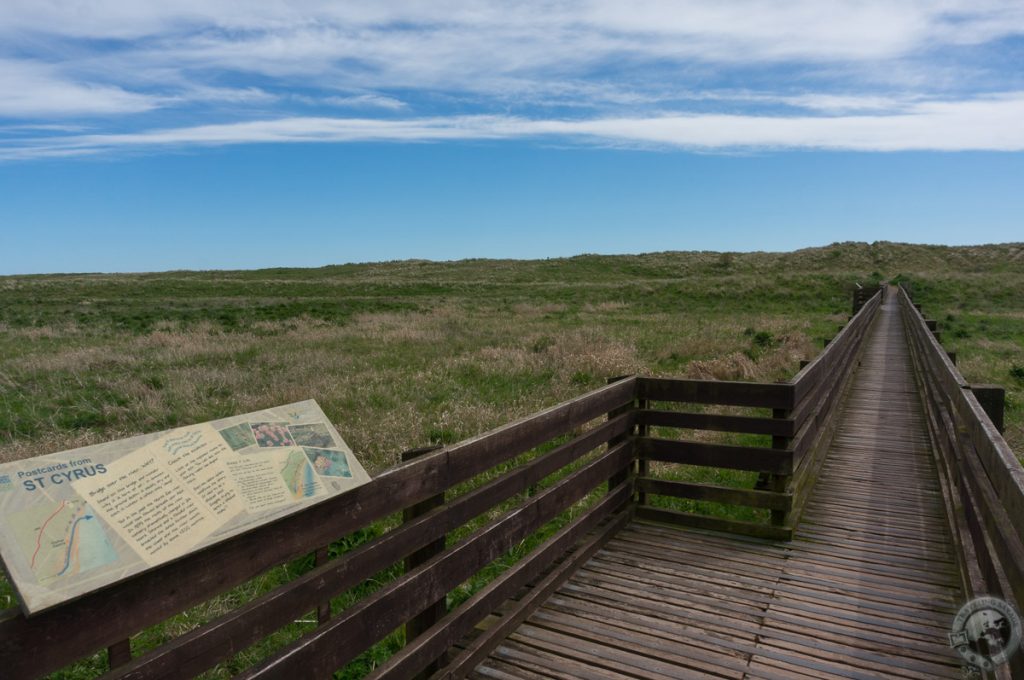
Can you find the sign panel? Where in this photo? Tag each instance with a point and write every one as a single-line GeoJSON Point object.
{"type": "Point", "coordinates": [78, 520]}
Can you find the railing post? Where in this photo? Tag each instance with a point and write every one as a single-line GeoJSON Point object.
{"type": "Point", "coordinates": [323, 610]}
{"type": "Point", "coordinates": [780, 482]}
{"type": "Point", "coordinates": [619, 477]}
{"type": "Point", "coordinates": [860, 298]}
{"type": "Point", "coordinates": [119, 653]}
{"type": "Point", "coordinates": [642, 465]}
{"type": "Point", "coordinates": [993, 400]}
{"type": "Point", "coordinates": [433, 613]}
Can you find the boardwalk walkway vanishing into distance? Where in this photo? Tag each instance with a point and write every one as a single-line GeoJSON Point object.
{"type": "Point", "coordinates": [868, 586]}
{"type": "Point", "coordinates": [885, 499]}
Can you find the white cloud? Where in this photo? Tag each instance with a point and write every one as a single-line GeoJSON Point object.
{"type": "Point", "coordinates": [234, 95]}
{"type": "Point", "coordinates": [990, 124]}
{"type": "Point", "coordinates": [849, 103]}
{"type": "Point", "coordinates": [32, 89]}
{"type": "Point", "coordinates": [375, 101]}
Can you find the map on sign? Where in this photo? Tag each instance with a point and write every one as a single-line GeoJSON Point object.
{"type": "Point", "coordinates": [78, 520]}
{"type": "Point", "coordinates": [65, 539]}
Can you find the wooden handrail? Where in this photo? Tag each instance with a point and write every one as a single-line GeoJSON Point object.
{"type": "Point", "coordinates": [30, 647]}
{"type": "Point", "coordinates": [331, 646]}
{"type": "Point", "coordinates": [978, 470]}
{"type": "Point", "coordinates": [819, 387]}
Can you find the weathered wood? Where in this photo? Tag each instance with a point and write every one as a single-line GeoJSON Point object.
{"type": "Point", "coordinates": [119, 654]}
{"type": "Point", "coordinates": [30, 647]}
{"type": "Point", "coordinates": [1000, 464]}
{"type": "Point", "coordinates": [978, 520]}
{"type": "Point", "coordinates": [718, 494]}
{"type": "Point", "coordinates": [716, 455]}
{"type": "Point", "coordinates": [767, 395]}
{"type": "Point", "coordinates": [820, 389]}
{"type": "Point", "coordinates": [718, 423]}
{"type": "Point", "coordinates": [778, 482]}
{"type": "Point", "coordinates": [323, 609]}
{"type": "Point", "coordinates": [862, 296]}
{"type": "Point", "coordinates": [630, 408]}
{"type": "Point", "coordinates": [1002, 542]}
{"type": "Point", "coordinates": [436, 610]}
{"type": "Point", "coordinates": [940, 431]}
{"type": "Point", "coordinates": [487, 599]}
{"type": "Point", "coordinates": [333, 645]}
{"type": "Point", "coordinates": [819, 392]}
{"type": "Point", "coordinates": [991, 479]}
{"type": "Point", "coordinates": [816, 421]}
{"type": "Point", "coordinates": [643, 466]}
{"type": "Point", "coordinates": [822, 366]}
{"type": "Point", "coordinates": [993, 400]}
{"type": "Point", "coordinates": [732, 526]}
{"type": "Point", "coordinates": [220, 639]}
{"type": "Point", "coordinates": [955, 397]}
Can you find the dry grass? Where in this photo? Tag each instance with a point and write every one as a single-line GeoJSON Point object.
{"type": "Point", "coordinates": [391, 381]}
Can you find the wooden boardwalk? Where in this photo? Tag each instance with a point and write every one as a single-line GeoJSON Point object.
{"type": "Point", "coordinates": [867, 589]}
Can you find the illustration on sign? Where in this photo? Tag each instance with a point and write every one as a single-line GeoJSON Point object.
{"type": "Point", "coordinates": [78, 520]}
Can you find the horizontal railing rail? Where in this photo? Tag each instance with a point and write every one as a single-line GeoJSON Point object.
{"type": "Point", "coordinates": [981, 477]}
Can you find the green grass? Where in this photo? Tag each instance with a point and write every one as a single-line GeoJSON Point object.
{"type": "Point", "coordinates": [406, 354]}
{"type": "Point", "coordinates": [981, 318]}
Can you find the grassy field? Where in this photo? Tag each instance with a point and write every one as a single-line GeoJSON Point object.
{"type": "Point", "coordinates": [405, 354]}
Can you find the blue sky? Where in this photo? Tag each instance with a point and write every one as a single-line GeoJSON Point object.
{"type": "Point", "coordinates": [194, 134]}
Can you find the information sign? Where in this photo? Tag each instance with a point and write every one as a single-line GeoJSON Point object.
{"type": "Point", "coordinates": [78, 520]}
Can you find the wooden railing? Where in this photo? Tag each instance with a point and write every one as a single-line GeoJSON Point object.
{"type": "Point", "coordinates": [564, 479]}
{"type": "Point", "coordinates": [799, 428]}
{"type": "Point", "coordinates": [658, 456]}
{"type": "Point", "coordinates": [981, 477]}
{"type": "Point", "coordinates": [817, 392]}
{"type": "Point", "coordinates": [54, 638]}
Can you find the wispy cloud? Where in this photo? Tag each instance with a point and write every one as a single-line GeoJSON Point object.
{"type": "Point", "coordinates": [984, 124]}
{"type": "Point", "coordinates": [29, 88]}
{"type": "Point", "coordinates": [864, 74]}
{"type": "Point", "coordinates": [371, 101]}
